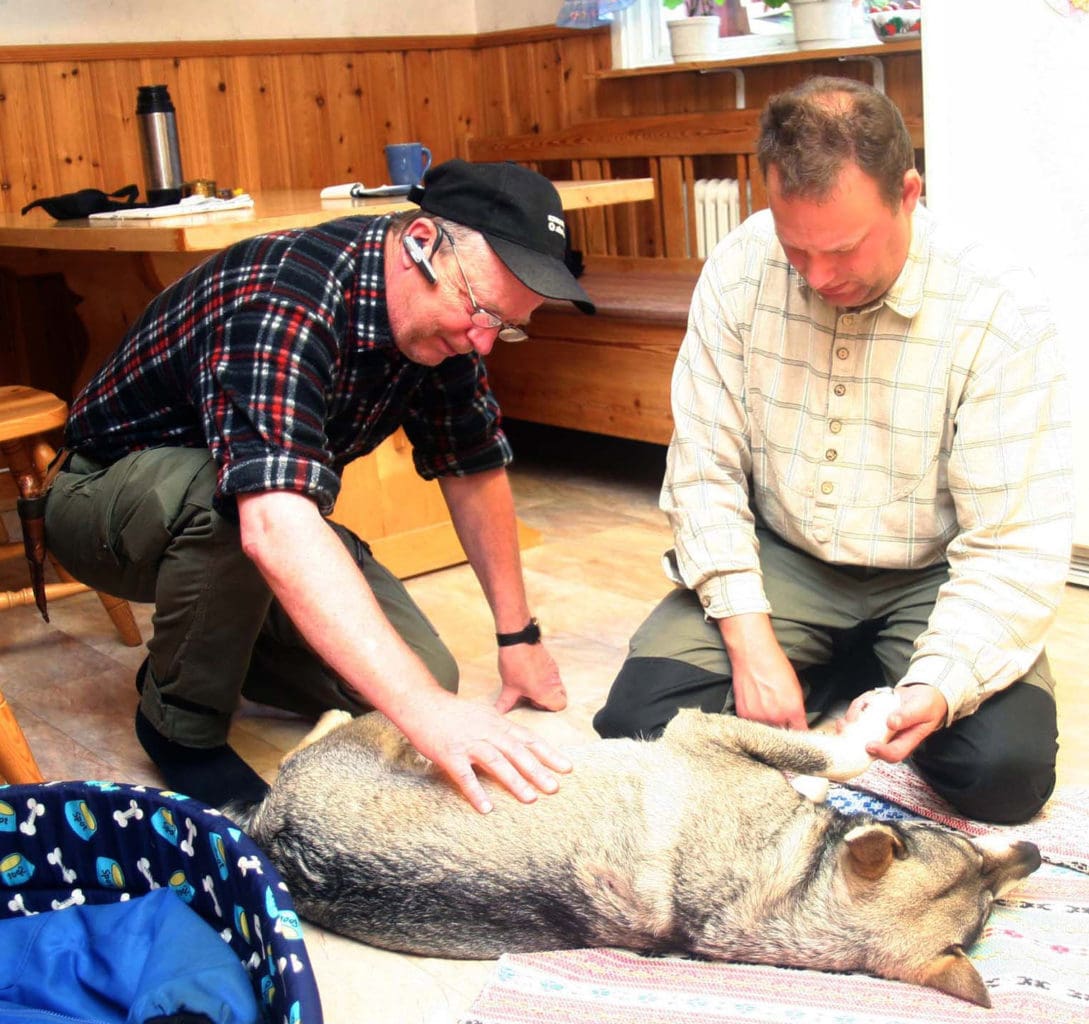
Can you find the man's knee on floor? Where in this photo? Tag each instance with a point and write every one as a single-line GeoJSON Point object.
{"type": "Point", "coordinates": [648, 692]}
{"type": "Point", "coordinates": [1001, 789]}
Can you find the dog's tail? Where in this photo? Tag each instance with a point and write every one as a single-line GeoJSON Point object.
{"type": "Point", "coordinates": [244, 813]}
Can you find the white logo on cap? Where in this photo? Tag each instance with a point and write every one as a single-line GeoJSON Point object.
{"type": "Point", "coordinates": [556, 224]}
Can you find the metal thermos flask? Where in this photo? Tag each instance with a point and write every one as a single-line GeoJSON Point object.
{"type": "Point", "coordinates": [159, 142]}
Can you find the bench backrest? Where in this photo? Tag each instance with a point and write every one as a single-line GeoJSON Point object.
{"type": "Point", "coordinates": [676, 150]}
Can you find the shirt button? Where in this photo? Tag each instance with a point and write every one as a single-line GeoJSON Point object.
{"type": "Point", "coordinates": [706, 602]}
{"type": "Point", "coordinates": [842, 353]}
{"type": "Point", "coordinates": [827, 488]}
{"type": "Point", "coordinates": [840, 390]}
{"type": "Point", "coordinates": [849, 320]}
{"type": "Point", "coordinates": [835, 426]}
{"type": "Point", "coordinates": [831, 454]}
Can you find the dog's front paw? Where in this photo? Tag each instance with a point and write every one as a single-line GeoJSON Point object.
{"type": "Point", "coordinates": [872, 723]}
{"type": "Point", "coordinates": [871, 726]}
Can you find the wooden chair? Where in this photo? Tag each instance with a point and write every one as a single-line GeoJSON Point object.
{"type": "Point", "coordinates": [17, 764]}
{"type": "Point", "coordinates": [25, 415]}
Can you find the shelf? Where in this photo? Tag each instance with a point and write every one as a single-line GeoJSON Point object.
{"type": "Point", "coordinates": [775, 54]}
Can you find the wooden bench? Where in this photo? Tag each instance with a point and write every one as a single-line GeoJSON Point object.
{"type": "Point", "coordinates": [610, 373]}
{"type": "Point", "coordinates": [607, 373]}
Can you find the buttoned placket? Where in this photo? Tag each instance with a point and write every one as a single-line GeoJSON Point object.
{"type": "Point", "coordinates": [830, 474]}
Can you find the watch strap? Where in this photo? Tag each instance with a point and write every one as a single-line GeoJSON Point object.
{"type": "Point", "coordinates": [530, 635]}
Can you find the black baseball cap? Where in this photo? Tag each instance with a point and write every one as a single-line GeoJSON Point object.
{"type": "Point", "coordinates": [517, 210]}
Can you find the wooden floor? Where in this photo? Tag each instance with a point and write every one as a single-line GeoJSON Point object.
{"type": "Point", "coordinates": [592, 580]}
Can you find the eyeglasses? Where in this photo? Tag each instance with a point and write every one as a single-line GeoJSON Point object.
{"type": "Point", "coordinates": [481, 317]}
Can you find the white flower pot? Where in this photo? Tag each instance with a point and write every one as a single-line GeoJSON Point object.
{"type": "Point", "coordinates": [821, 23]}
{"type": "Point", "coordinates": [694, 38]}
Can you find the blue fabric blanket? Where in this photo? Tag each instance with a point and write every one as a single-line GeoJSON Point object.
{"type": "Point", "coordinates": [122, 963]}
{"type": "Point", "coordinates": [82, 846]}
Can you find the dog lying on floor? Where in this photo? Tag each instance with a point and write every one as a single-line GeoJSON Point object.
{"type": "Point", "coordinates": [693, 844]}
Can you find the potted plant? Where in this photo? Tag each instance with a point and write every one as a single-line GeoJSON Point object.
{"type": "Point", "coordinates": [694, 37]}
{"type": "Point", "coordinates": [818, 23]}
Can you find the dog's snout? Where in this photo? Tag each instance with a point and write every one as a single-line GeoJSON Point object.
{"type": "Point", "coordinates": [1029, 855]}
{"type": "Point", "coordinates": [1006, 862]}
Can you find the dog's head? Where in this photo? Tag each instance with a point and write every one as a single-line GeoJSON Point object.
{"type": "Point", "coordinates": [924, 894]}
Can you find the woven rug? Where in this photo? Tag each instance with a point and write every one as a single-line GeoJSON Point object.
{"type": "Point", "coordinates": [1033, 956]}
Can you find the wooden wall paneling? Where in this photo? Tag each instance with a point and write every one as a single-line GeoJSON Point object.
{"type": "Point", "coordinates": [70, 121]}
{"type": "Point", "coordinates": [234, 136]}
{"type": "Point", "coordinates": [549, 61]}
{"type": "Point", "coordinates": [22, 165]}
{"type": "Point", "coordinates": [261, 89]}
{"type": "Point", "coordinates": [391, 105]}
{"type": "Point", "coordinates": [31, 138]}
{"type": "Point", "coordinates": [253, 91]}
{"type": "Point", "coordinates": [463, 93]}
{"type": "Point", "coordinates": [520, 104]}
{"type": "Point", "coordinates": [291, 114]}
{"type": "Point", "coordinates": [308, 141]}
{"type": "Point", "coordinates": [429, 106]}
{"type": "Point", "coordinates": [215, 136]}
{"type": "Point", "coordinates": [495, 115]}
{"type": "Point", "coordinates": [113, 92]}
{"type": "Point", "coordinates": [348, 121]}
{"type": "Point", "coordinates": [584, 57]}
{"type": "Point", "coordinates": [351, 119]}
{"type": "Point", "coordinates": [903, 83]}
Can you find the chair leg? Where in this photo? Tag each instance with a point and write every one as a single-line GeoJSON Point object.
{"type": "Point", "coordinates": [120, 614]}
{"type": "Point", "coordinates": [117, 608]}
{"type": "Point", "coordinates": [53, 592]}
{"type": "Point", "coordinates": [17, 764]}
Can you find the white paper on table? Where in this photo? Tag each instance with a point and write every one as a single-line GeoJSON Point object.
{"type": "Point", "coordinates": [189, 205]}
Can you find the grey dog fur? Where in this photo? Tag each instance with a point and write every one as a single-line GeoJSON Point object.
{"type": "Point", "coordinates": [693, 844]}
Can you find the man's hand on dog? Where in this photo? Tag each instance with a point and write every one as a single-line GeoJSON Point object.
{"type": "Point", "coordinates": [461, 736]}
{"type": "Point", "coordinates": [529, 673]}
{"type": "Point", "coordinates": [921, 711]}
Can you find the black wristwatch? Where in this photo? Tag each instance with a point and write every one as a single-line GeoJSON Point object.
{"type": "Point", "coordinates": [530, 635]}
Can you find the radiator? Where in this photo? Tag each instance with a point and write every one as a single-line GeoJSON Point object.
{"type": "Point", "coordinates": [718, 212]}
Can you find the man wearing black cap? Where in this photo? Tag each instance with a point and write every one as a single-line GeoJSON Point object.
{"type": "Point", "coordinates": [208, 450]}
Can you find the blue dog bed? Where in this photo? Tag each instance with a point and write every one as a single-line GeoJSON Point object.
{"type": "Point", "coordinates": [83, 843]}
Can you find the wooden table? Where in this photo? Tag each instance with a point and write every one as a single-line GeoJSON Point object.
{"type": "Point", "coordinates": [116, 267]}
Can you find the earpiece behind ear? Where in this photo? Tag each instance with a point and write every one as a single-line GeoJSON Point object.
{"type": "Point", "coordinates": [419, 257]}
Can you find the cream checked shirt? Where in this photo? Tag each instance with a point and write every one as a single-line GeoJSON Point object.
{"type": "Point", "coordinates": [931, 426]}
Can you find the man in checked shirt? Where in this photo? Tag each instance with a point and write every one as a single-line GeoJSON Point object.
{"type": "Point", "coordinates": [207, 452]}
{"type": "Point", "coordinates": [869, 480]}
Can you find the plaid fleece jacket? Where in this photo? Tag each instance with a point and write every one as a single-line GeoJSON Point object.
{"type": "Point", "coordinates": [276, 354]}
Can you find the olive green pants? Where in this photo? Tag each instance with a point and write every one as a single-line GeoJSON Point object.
{"type": "Point", "coordinates": [146, 529]}
{"type": "Point", "coordinates": [845, 630]}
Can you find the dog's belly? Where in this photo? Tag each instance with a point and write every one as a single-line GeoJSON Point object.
{"type": "Point", "coordinates": [438, 901]}
{"type": "Point", "coordinates": [401, 861]}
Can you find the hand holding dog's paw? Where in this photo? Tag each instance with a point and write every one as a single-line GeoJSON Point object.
{"type": "Point", "coordinates": [870, 723]}
{"type": "Point", "coordinates": [866, 723]}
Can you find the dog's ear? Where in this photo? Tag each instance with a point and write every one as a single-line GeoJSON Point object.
{"type": "Point", "coordinates": [953, 974]}
{"type": "Point", "coordinates": [871, 849]}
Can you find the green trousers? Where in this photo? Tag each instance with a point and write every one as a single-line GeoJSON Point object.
{"type": "Point", "coordinates": [146, 529]}
{"type": "Point", "coordinates": [845, 630]}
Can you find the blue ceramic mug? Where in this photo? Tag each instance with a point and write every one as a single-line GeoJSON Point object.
{"type": "Point", "coordinates": [407, 162]}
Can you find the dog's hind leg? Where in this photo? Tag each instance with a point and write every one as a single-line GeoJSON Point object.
{"type": "Point", "coordinates": [329, 721]}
